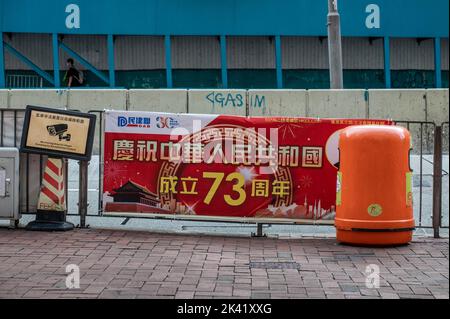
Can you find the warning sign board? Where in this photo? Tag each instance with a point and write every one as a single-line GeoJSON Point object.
{"type": "Point", "coordinates": [58, 133]}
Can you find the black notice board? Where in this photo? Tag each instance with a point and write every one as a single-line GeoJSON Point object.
{"type": "Point", "coordinates": [58, 133]}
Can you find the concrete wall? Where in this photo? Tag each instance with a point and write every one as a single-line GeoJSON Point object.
{"type": "Point", "coordinates": [437, 105]}
{"type": "Point", "coordinates": [277, 102]}
{"type": "Point", "coordinates": [19, 99]}
{"type": "Point", "coordinates": [401, 105]}
{"type": "Point", "coordinates": [337, 103]}
{"type": "Point", "coordinates": [173, 101]}
{"type": "Point", "coordinates": [231, 102]}
{"type": "Point", "coordinates": [87, 100]}
{"type": "Point", "coordinates": [405, 105]}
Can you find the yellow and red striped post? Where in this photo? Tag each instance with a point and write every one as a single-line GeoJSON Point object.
{"type": "Point", "coordinates": [51, 196]}
{"type": "Point", "coordinates": [51, 207]}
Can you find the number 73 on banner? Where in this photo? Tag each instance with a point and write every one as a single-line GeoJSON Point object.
{"type": "Point", "coordinates": [260, 188]}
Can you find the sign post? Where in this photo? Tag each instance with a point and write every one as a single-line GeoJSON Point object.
{"type": "Point", "coordinates": [83, 192]}
{"type": "Point", "coordinates": [58, 134]}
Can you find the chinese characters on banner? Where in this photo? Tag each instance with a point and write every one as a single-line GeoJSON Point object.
{"type": "Point", "coordinates": [219, 165]}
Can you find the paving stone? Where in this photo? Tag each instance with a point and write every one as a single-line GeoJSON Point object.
{"type": "Point", "coordinates": [137, 264]}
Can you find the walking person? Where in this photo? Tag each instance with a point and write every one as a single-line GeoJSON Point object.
{"type": "Point", "coordinates": [72, 77]}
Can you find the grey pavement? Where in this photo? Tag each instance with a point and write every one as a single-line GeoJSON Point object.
{"type": "Point", "coordinates": [133, 264]}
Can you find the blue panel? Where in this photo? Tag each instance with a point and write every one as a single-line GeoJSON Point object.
{"type": "Point", "coordinates": [168, 49]}
{"type": "Point", "coordinates": [196, 79]}
{"type": "Point", "coordinates": [387, 62]}
{"type": "Point", "coordinates": [445, 79]}
{"type": "Point", "coordinates": [279, 65]}
{"type": "Point", "coordinates": [223, 59]}
{"type": "Point", "coordinates": [55, 48]}
{"type": "Point", "coordinates": [112, 67]}
{"type": "Point", "coordinates": [252, 78]}
{"type": "Point", "coordinates": [413, 79]}
{"type": "Point", "coordinates": [2, 63]}
{"type": "Point", "coordinates": [398, 18]}
{"type": "Point", "coordinates": [148, 79]}
{"type": "Point", "coordinates": [437, 62]}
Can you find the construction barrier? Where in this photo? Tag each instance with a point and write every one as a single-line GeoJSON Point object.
{"type": "Point", "coordinates": [51, 207]}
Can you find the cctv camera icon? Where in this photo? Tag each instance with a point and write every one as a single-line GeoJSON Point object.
{"type": "Point", "coordinates": [59, 130]}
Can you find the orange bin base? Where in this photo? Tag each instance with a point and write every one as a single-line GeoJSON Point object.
{"type": "Point", "coordinates": [373, 238]}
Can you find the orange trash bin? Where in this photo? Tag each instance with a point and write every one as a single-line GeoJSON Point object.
{"type": "Point", "coordinates": [374, 186]}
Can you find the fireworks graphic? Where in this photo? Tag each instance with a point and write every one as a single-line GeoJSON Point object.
{"type": "Point", "coordinates": [115, 171]}
{"type": "Point", "coordinates": [190, 209]}
{"type": "Point", "coordinates": [248, 173]}
{"type": "Point", "coordinates": [306, 181]}
{"type": "Point", "coordinates": [288, 128]}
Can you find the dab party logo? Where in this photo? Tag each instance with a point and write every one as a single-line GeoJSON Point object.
{"type": "Point", "coordinates": [133, 121]}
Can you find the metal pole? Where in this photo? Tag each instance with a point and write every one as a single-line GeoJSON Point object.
{"type": "Point", "coordinates": [259, 231]}
{"type": "Point", "coordinates": [2, 63]}
{"type": "Point", "coordinates": [437, 180]}
{"type": "Point", "coordinates": [56, 75]}
{"type": "Point", "coordinates": [278, 64]}
{"type": "Point", "coordinates": [111, 61]}
{"type": "Point", "coordinates": [223, 60]}
{"type": "Point", "coordinates": [437, 63]}
{"type": "Point", "coordinates": [83, 193]}
{"type": "Point", "coordinates": [167, 46]}
{"type": "Point", "coordinates": [334, 46]}
{"type": "Point", "coordinates": [387, 62]}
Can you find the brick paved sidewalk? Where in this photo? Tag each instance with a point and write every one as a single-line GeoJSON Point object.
{"type": "Point", "coordinates": [130, 264]}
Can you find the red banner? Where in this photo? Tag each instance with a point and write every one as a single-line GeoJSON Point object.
{"type": "Point", "coordinates": [218, 165]}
